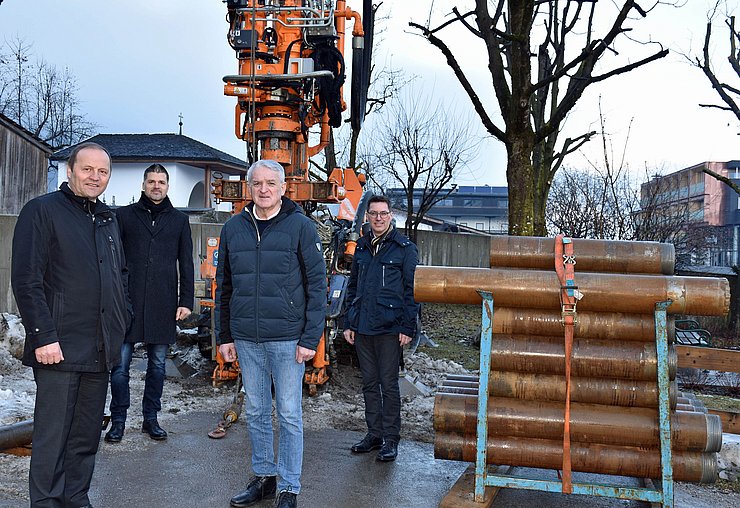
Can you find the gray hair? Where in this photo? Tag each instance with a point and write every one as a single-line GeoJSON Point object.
{"type": "Point", "coordinates": [269, 164]}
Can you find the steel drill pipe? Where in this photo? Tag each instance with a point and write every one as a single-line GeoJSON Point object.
{"type": "Point", "coordinates": [16, 434]}
{"type": "Point", "coordinates": [591, 255]}
{"type": "Point", "coordinates": [587, 458]}
{"type": "Point", "coordinates": [590, 325]}
{"type": "Point", "coordinates": [589, 423]}
{"type": "Point", "coordinates": [612, 392]}
{"type": "Point", "coordinates": [538, 289]}
{"type": "Point", "coordinates": [590, 357]}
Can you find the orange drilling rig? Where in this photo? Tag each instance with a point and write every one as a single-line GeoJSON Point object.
{"type": "Point", "coordinates": [289, 91]}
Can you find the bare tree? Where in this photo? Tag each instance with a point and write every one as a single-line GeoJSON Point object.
{"type": "Point", "coordinates": [591, 204]}
{"type": "Point", "coordinates": [383, 82]}
{"type": "Point", "coordinates": [533, 110]}
{"type": "Point", "coordinates": [40, 97]}
{"type": "Point", "coordinates": [729, 93]}
{"type": "Point", "coordinates": [419, 147]}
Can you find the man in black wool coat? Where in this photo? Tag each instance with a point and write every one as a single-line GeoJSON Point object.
{"type": "Point", "coordinates": [157, 243]}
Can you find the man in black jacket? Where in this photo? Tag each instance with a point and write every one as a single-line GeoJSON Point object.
{"type": "Point", "coordinates": [381, 319]}
{"type": "Point", "coordinates": [270, 310]}
{"type": "Point", "coordinates": [69, 280]}
{"type": "Point", "coordinates": [157, 243]}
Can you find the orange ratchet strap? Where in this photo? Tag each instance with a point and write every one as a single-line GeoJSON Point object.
{"type": "Point", "coordinates": [565, 262]}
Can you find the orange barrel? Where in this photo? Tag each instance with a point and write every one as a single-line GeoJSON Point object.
{"type": "Point", "coordinates": [704, 296]}
{"type": "Point", "coordinates": [589, 423]}
{"type": "Point", "coordinates": [591, 255]}
{"type": "Point", "coordinates": [590, 357]}
{"type": "Point", "coordinates": [592, 325]}
{"type": "Point", "coordinates": [588, 458]}
{"type": "Point", "coordinates": [612, 392]}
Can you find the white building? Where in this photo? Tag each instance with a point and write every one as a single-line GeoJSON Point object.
{"type": "Point", "coordinates": [191, 165]}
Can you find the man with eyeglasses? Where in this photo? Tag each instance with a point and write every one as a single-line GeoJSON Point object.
{"type": "Point", "coordinates": [270, 312]}
{"type": "Point", "coordinates": [381, 319]}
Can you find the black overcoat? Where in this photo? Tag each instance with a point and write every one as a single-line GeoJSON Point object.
{"type": "Point", "coordinates": [155, 253]}
{"type": "Point", "coordinates": [69, 279]}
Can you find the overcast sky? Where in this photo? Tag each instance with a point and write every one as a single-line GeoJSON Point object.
{"type": "Point", "coordinates": [140, 63]}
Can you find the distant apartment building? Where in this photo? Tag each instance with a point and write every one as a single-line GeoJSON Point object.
{"type": "Point", "coordinates": [483, 208]}
{"type": "Point", "coordinates": [703, 200]}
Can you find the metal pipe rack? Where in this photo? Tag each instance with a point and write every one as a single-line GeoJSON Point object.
{"type": "Point", "coordinates": [663, 493]}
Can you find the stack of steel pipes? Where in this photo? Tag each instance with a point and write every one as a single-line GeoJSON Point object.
{"type": "Point", "coordinates": [614, 423]}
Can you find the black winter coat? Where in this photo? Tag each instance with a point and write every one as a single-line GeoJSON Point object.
{"type": "Point", "coordinates": [69, 280]}
{"type": "Point", "coordinates": [271, 286]}
{"type": "Point", "coordinates": [381, 287]}
{"type": "Point", "coordinates": [155, 253]}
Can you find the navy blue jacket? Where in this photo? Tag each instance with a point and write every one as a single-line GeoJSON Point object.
{"type": "Point", "coordinates": [381, 287]}
{"type": "Point", "coordinates": [155, 253]}
{"type": "Point", "coordinates": [272, 286]}
{"type": "Point", "coordinates": [69, 279]}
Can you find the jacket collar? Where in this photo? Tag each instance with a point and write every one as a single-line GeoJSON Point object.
{"type": "Point", "coordinates": [89, 207]}
{"type": "Point", "coordinates": [147, 204]}
{"type": "Point", "coordinates": [287, 207]}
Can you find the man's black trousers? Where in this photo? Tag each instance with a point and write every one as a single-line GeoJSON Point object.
{"type": "Point", "coordinates": [67, 422]}
{"type": "Point", "coordinates": [379, 357]}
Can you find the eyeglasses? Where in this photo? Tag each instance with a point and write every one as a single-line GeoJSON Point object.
{"type": "Point", "coordinates": [382, 214]}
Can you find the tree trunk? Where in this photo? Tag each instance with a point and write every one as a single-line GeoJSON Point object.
{"type": "Point", "coordinates": [520, 177]}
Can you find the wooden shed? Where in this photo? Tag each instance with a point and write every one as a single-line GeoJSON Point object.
{"type": "Point", "coordinates": [24, 161]}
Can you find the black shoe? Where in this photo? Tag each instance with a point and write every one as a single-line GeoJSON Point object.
{"type": "Point", "coordinates": [152, 428]}
{"type": "Point", "coordinates": [368, 444]}
{"type": "Point", "coordinates": [115, 434]}
{"type": "Point", "coordinates": [286, 499]}
{"type": "Point", "coordinates": [388, 452]}
{"type": "Point", "coordinates": [259, 488]}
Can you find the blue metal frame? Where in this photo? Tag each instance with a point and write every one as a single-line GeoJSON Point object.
{"type": "Point", "coordinates": [663, 495]}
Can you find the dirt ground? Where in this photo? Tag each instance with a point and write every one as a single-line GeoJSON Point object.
{"type": "Point", "coordinates": [337, 405]}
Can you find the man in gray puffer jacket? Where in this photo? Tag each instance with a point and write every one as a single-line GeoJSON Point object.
{"type": "Point", "coordinates": [270, 313]}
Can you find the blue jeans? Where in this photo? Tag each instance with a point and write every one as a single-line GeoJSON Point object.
{"type": "Point", "coordinates": [264, 364]}
{"type": "Point", "coordinates": [120, 399]}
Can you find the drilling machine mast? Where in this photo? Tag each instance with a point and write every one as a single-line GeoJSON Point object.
{"type": "Point", "coordinates": [290, 79]}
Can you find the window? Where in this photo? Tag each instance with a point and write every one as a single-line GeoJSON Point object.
{"type": "Point", "coordinates": [473, 202]}
{"type": "Point", "coordinates": [479, 225]}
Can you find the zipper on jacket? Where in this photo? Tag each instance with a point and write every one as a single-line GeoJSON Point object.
{"type": "Point", "coordinates": [257, 254]}
{"type": "Point", "coordinates": [383, 275]}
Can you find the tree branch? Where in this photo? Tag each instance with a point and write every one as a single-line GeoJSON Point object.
{"type": "Point", "coordinates": [462, 78]}
{"type": "Point", "coordinates": [723, 179]}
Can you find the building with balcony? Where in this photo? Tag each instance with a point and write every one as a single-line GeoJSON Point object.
{"type": "Point", "coordinates": [482, 208]}
{"type": "Point", "coordinates": [701, 200]}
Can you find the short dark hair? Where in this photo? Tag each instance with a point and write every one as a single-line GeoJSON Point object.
{"type": "Point", "coordinates": [156, 168]}
{"type": "Point", "coordinates": [379, 199]}
{"type": "Point", "coordinates": [88, 144]}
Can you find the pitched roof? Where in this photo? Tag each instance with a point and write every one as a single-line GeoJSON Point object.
{"type": "Point", "coordinates": [25, 133]}
{"type": "Point", "coordinates": [159, 147]}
